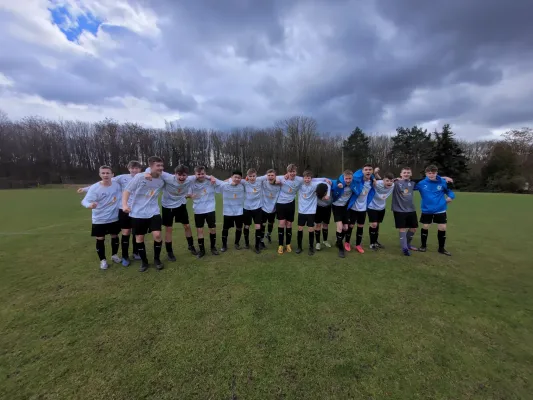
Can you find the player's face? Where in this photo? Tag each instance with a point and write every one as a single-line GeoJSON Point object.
{"type": "Point", "coordinates": [292, 174]}
{"type": "Point", "coordinates": [236, 179]}
{"type": "Point", "coordinates": [348, 179]}
{"type": "Point", "coordinates": [181, 177]}
{"type": "Point", "coordinates": [367, 171]}
{"type": "Point", "coordinates": [157, 168]}
{"type": "Point", "coordinates": [388, 182]}
{"type": "Point", "coordinates": [134, 170]}
{"type": "Point", "coordinates": [307, 179]}
{"type": "Point", "coordinates": [252, 178]}
{"type": "Point", "coordinates": [271, 177]}
{"type": "Point", "coordinates": [200, 176]}
{"type": "Point", "coordinates": [432, 175]}
{"type": "Point", "coordinates": [106, 174]}
{"type": "Point", "coordinates": [406, 174]}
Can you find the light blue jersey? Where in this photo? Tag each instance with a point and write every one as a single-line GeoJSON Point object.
{"type": "Point", "coordinates": [233, 198]}
{"type": "Point", "coordinates": [360, 203]}
{"type": "Point", "coordinates": [204, 195]}
{"type": "Point", "coordinates": [270, 196]}
{"type": "Point", "coordinates": [307, 200]}
{"type": "Point", "coordinates": [175, 191]}
{"type": "Point", "coordinates": [145, 195]}
{"type": "Point", "coordinates": [380, 198]}
{"type": "Point", "coordinates": [289, 188]}
{"type": "Point", "coordinates": [107, 199]}
{"type": "Point", "coordinates": [254, 193]}
{"type": "Point", "coordinates": [123, 181]}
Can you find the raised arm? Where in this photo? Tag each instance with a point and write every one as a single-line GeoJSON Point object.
{"type": "Point", "coordinates": [89, 201]}
{"type": "Point", "coordinates": [83, 189]}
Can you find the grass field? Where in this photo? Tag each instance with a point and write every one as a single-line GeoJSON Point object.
{"type": "Point", "coordinates": [242, 326]}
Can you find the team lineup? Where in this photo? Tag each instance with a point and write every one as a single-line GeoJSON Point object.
{"type": "Point", "coordinates": [129, 204]}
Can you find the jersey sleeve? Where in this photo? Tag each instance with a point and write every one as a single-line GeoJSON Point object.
{"type": "Point", "coordinates": [90, 197]}
{"type": "Point", "coordinates": [134, 184]}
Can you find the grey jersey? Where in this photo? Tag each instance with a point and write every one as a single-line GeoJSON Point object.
{"type": "Point", "coordinates": [380, 198]}
{"type": "Point", "coordinates": [324, 203]}
{"type": "Point", "coordinates": [204, 195]}
{"type": "Point", "coordinates": [123, 181]}
{"type": "Point", "coordinates": [343, 200]}
{"type": "Point", "coordinates": [145, 195]}
{"type": "Point", "coordinates": [270, 196]}
{"type": "Point", "coordinates": [174, 191]}
{"type": "Point", "coordinates": [253, 198]}
{"type": "Point", "coordinates": [307, 200]}
{"type": "Point", "coordinates": [106, 197]}
{"type": "Point", "coordinates": [361, 201]}
{"type": "Point", "coordinates": [402, 196]}
{"type": "Point", "coordinates": [233, 198]}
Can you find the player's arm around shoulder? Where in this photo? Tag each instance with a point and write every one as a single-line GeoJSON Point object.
{"type": "Point", "coordinates": [89, 201]}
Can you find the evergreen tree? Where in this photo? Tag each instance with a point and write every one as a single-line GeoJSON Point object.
{"type": "Point", "coordinates": [357, 149]}
{"type": "Point", "coordinates": [448, 156]}
{"type": "Point", "coordinates": [412, 148]}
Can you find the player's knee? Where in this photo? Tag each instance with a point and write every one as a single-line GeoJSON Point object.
{"type": "Point", "coordinates": [441, 227]}
{"type": "Point", "coordinates": [360, 225]}
{"type": "Point", "coordinates": [351, 226]}
{"type": "Point", "coordinates": [426, 226]}
{"type": "Point", "coordinates": [300, 228]}
{"type": "Point", "coordinates": [374, 224]}
{"type": "Point", "coordinates": [126, 232]}
{"type": "Point", "coordinates": [157, 236]}
{"type": "Point", "coordinates": [100, 238]}
{"type": "Point", "coordinates": [114, 236]}
{"type": "Point", "coordinates": [325, 226]}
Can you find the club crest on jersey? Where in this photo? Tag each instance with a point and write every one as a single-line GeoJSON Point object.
{"type": "Point", "coordinates": [439, 187]}
{"type": "Point", "coordinates": [234, 195]}
{"type": "Point", "coordinates": [409, 184]}
{"type": "Point", "coordinates": [290, 190]}
{"type": "Point", "coordinates": [255, 190]}
{"type": "Point", "coordinates": [406, 191]}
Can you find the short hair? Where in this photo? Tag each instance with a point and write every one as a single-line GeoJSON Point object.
{"type": "Point", "coordinates": [199, 168]}
{"type": "Point", "coordinates": [105, 167]}
{"type": "Point", "coordinates": [389, 175]}
{"type": "Point", "coordinates": [406, 169]}
{"type": "Point", "coordinates": [271, 171]}
{"type": "Point", "coordinates": [431, 168]}
{"type": "Point", "coordinates": [348, 172]}
{"type": "Point", "coordinates": [368, 165]}
{"type": "Point", "coordinates": [251, 171]}
{"type": "Point", "coordinates": [321, 190]}
{"type": "Point", "coordinates": [291, 167]}
{"type": "Point", "coordinates": [154, 159]}
{"type": "Point", "coordinates": [181, 169]}
{"type": "Point", "coordinates": [237, 172]}
{"type": "Point", "coordinates": [308, 172]}
{"type": "Point", "coordinates": [134, 164]}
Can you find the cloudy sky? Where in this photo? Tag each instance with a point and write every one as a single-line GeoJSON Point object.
{"type": "Point", "coordinates": [377, 64]}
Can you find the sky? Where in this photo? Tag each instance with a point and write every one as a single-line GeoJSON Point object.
{"type": "Point", "coordinates": [221, 64]}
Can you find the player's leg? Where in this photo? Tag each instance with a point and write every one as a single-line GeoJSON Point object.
{"type": "Point", "coordinates": [141, 227]}
{"type": "Point", "coordinates": [199, 221]}
{"type": "Point", "coordinates": [425, 220]}
{"type": "Point", "coordinates": [325, 226]}
{"type": "Point", "coordinates": [318, 230]}
{"type": "Point", "coordinates": [372, 227]}
{"type": "Point", "coordinates": [98, 231]}
{"type": "Point", "coordinates": [259, 232]}
{"type": "Point", "coordinates": [361, 219]}
{"type": "Point", "coordinates": [247, 218]}
{"type": "Point", "coordinates": [238, 223]}
{"type": "Point", "coordinates": [401, 222]}
{"type": "Point", "coordinates": [270, 226]}
{"type": "Point", "coordinates": [115, 242]}
{"type": "Point", "coordinates": [441, 221]}
{"type": "Point", "coordinates": [182, 217]}
{"type": "Point", "coordinates": [339, 216]}
{"type": "Point", "coordinates": [226, 225]}
{"type": "Point", "coordinates": [311, 233]}
{"type": "Point", "coordinates": [168, 222]}
{"type": "Point", "coordinates": [348, 234]}
{"type": "Point", "coordinates": [301, 223]}
{"type": "Point", "coordinates": [289, 219]}
{"type": "Point", "coordinates": [155, 228]}
{"type": "Point", "coordinates": [380, 218]}
{"type": "Point", "coordinates": [125, 225]}
{"type": "Point", "coordinates": [280, 213]}
{"type": "Point", "coordinates": [212, 225]}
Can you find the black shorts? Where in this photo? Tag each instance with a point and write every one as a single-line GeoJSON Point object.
{"type": "Point", "coordinates": [100, 230]}
{"type": "Point", "coordinates": [375, 215]}
{"type": "Point", "coordinates": [178, 214]}
{"type": "Point", "coordinates": [405, 220]}
{"type": "Point", "coordinates": [124, 220]}
{"type": "Point", "coordinates": [252, 215]}
{"type": "Point", "coordinates": [142, 226]}
{"type": "Point", "coordinates": [286, 211]}
{"type": "Point", "coordinates": [357, 217]}
{"type": "Point", "coordinates": [231, 221]}
{"type": "Point", "coordinates": [268, 217]}
{"type": "Point", "coordinates": [340, 214]}
{"type": "Point", "coordinates": [439, 218]}
{"type": "Point", "coordinates": [323, 215]}
{"type": "Point", "coordinates": [306, 219]}
{"type": "Point", "coordinates": [201, 219]}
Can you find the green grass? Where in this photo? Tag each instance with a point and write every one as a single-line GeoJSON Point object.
{"type": "Point", "coordinates": [242, 326]}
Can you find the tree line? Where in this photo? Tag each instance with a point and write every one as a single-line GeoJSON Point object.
{"type": "Point", "coordinates": [36, 151]}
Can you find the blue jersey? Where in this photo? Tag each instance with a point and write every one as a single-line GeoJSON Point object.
{"type": "Point", "coordinates": [433, 195]}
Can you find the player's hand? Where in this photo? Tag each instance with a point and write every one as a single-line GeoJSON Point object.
{"type": "Point", "coordinates": [328, 182]}
{"type": "Point", "coordinates": [286, 176]}
{"type": "Point", "coordinates": [339, 185]}
{"type": "Point", "coordinates": [194, 196]}
{"type": "Point", "coordinates": [92, 206]}
{"type": "Point", "coordinates": [449, 199]}
{"type": "Point", "coordinates": [213, 180]}
{"type": "Point", "coordinates": [376, 170]}
{"type": "Point", "coordinates": [80, 190]}
{"type": "Point", "coordinates": [447, 179]}
{"type": "Point", "coordinates": [148, 176]}
{"type": "Point", "coordinates": [326, 197]}
{"type": "Point", "coordinates": [126, 209]}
